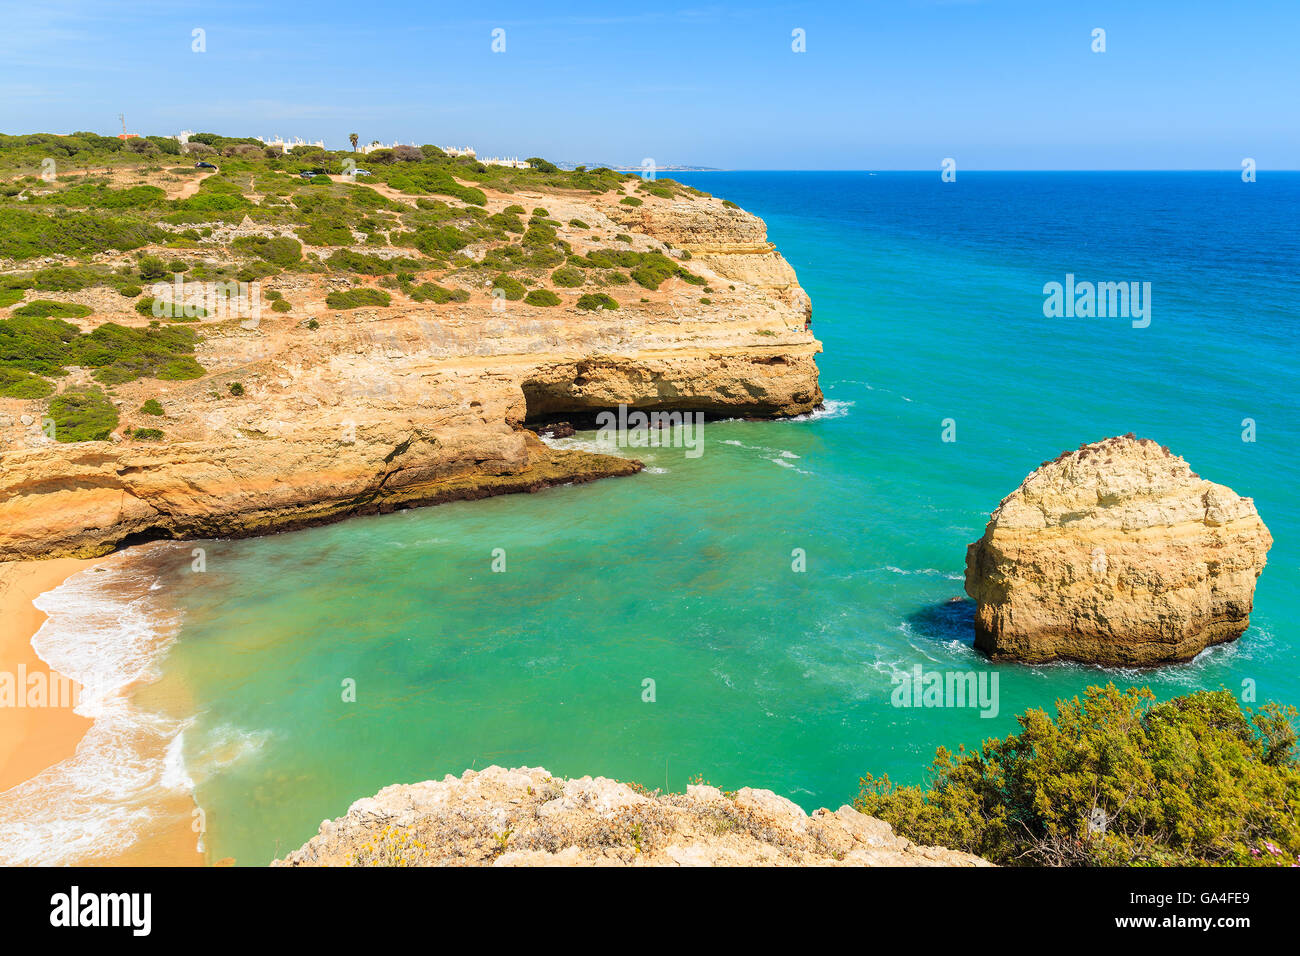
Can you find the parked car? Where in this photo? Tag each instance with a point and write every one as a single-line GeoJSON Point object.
{"type": "Point", "coordinates": [203, 165]}
{"type": "Point", "coordinates": [360, 172]}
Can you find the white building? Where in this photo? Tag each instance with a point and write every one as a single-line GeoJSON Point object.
{"type": "Point", "coordinates": [513, 162]}
{"type": "Point", "coordinates": [287, 145]}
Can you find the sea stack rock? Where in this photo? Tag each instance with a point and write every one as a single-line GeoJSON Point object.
{"type": "Point", "coordinates": [1119, 554]}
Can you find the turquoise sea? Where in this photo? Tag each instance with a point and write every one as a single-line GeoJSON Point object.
{"type": "Point", "coordinates": [928, 298]}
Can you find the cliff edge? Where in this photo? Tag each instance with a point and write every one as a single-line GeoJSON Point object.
{"type": "Point", "coordinates": [321, 412]}
{"type": "Point", "coordinates": [526, 817]}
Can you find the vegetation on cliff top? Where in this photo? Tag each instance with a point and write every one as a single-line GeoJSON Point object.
{"type": "Point", "coordinates": [1115, 780]}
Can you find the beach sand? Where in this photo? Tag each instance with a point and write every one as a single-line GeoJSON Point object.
{"type": "Point", "coordinates": [32, 738]}
{"type": "Point", "coordinates": [35, 738]}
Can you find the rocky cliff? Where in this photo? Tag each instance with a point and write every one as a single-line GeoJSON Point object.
{"type": "Point", "coordinates": [526, 817]}
{"type": "Point", "coordinates": [1116, 553]}
{"type": "Point", "coordinates": [346, 412]}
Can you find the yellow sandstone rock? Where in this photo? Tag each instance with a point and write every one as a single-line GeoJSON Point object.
{"type": "Point", "coordinates": [1115, 554]}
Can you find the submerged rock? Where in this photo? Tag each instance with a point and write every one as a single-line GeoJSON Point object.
{"type": "Point", "coordinates": [1117, 553]}
{"type": "Point", "coordinates": [526, 817]}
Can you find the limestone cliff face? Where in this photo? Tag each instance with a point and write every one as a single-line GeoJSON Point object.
{"type": "Point", "coordinates": [411, 404]}
{"type": "Point", "coordinates": [526, 817]}
{"type": "Point", "coordinates": [1116, 554]}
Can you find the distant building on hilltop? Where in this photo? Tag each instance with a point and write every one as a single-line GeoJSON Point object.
{"type": "Point", "coordinates": [287, 145]}
{"type": "Point", "coordinates": [514, 162]}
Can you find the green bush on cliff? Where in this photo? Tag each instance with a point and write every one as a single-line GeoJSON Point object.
{"type": "Point", "coordinates": [279, 250]}
{"type": "Point", "coordinates": [593, 301]}
{"type": "Point", "coordinates": [16, 383]}
{"type": "Point", "coordinates": [25, 234]}
{"type": "Point", "coordinates": [48, 347]}
{"type": "Point", "coordinates": [356, 298]}
{"type": "Point", "coordinates": [510, 287]}
{"type": "Point", "coordinates": [46, 309]}
{"type": "Point", "coordinates": [82, 414]}
{"type": "Point", "coordinates": [542, 297]}
{"type": "Point", "coordinates": [568, 277]}
{"type": "Point", "coordinates": [1115, 779]}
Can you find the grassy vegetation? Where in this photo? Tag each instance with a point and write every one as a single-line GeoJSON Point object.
{"type": "Point", "coordinates": [542, 297]}
{"type": "Point", "coordinates": [26, 234]}
{"type": "Point", "coordinates": [1115, 780]}
{"type": "Point", "coordinates": [82, 414]}
{"type": "Point", "coordinates": [47, 347]}
{"type": "Point", "coordinates": [593, 301]}
{"type": "Point", "coordinates": [47, 309]}
{"type": "Point", "coordinates": [358, 298]}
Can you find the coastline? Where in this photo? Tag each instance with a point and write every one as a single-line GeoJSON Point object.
{"type": "Point", "coordinates": [41, 745]}
{"type": "Point", "coordinates": [32, 738]}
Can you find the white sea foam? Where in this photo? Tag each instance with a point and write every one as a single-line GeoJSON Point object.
{"type": "Point", "coordinates": [831, 408]}
{"type": "Point", "coordinates": [106, 629]}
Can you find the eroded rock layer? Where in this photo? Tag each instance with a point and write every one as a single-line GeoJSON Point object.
{"type": "Point", "coordinates": [1116, 553]}
{"type": "Point", "coordinates": [526, 817]}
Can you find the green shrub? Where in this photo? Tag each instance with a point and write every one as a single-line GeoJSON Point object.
{"type": "Point", "coordinates": [578, 224]}
{"type": "Point", "coordinates": [152, 268]}
{"type": "Point", "coordinates": [568, 277]}
{"type": "Point", "coordinates": [345, 260]}
{"type": "Point", "coordinates": [596, 300]}
{"type": "Point", "coordinates": [45, 309]}
{"type": "Point", "coordinates": [280, 305]}
{"type": "Point", "coordinates": [17, 383]}
{"type": "Point", "coordinates": [130, 290]}
{"type": "Point", "coordinates": [166, 309]}
{"type": "Point", "coordinates": [147, 434]}
{"type": "Point", "coordinates": [236, 389]}
{"type": "Point", "coordinates": [432, 292]}
{"type": "Point", "coordinates": [152, 407]}
{"type": "Point", "coordinates": [356, 298]}
{"type": "Point", "coordinates": [543, 297]}
{"type": "Point", "coordinates": [177, 265]}
{"type": "Point", "coordinates": [9, 296]}
{"type": "Point", "coordinates": [514, 289]}
{"type": "Point", "coordinates": [629, 201]}
{"type": "Point", "coordinates": [539, 211]}
{"type": "Point", "coordinates": [25, 234]}
{"type": "Point", "coordinates": [326, 232]}
{"type": "Point", "coordinates": [281, 250]}
{"type": "Point", "coordinates": [82, 414]}
{"type": "Point", "coordinates": [1192, 781]}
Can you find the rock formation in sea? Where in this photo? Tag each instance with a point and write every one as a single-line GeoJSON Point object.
{"type": "Point", "coordinates": [372, 409]}
{"type": "Point", "coordinates": [526, 817]}
{"type": "Point", "coordinates": [1117, 553]}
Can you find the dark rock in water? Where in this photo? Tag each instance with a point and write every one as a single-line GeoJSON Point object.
{"type": "Point", "coordinates": [555, 430]}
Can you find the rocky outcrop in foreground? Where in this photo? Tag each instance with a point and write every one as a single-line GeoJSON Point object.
{"type": "Point", "coordinates": [1117, 553]}
{"type": "Point", "coordinates": [526, 817]}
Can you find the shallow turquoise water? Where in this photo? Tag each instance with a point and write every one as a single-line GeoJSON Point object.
{"type": "Point", "coordinates": [928, 300]}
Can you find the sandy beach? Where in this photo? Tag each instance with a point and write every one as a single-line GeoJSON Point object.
{"type": "Point", "coordinates": [33, 739]}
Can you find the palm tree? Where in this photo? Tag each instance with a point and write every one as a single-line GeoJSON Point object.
{"type": "Point", "coordinates": [353, 138]}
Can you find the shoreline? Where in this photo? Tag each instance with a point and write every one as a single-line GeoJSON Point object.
{"type": "Point", "coordinates": [32, 739]}
{"type": "Point", "coordinates": [37, 739]}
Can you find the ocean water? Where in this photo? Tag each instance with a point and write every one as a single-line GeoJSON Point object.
{"type": "Point", "coordinates": [928, 298]}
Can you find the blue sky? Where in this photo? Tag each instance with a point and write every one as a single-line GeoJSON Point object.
{"type": "Point", "coordinates": [996, 84]}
